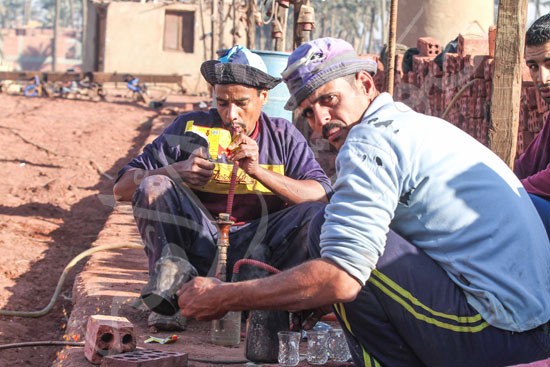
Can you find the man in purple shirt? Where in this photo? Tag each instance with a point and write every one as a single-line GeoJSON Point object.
{"type": "Point", "coordinates": [533, 166]}
{"type": "Point", "coordinates": [180, 183]}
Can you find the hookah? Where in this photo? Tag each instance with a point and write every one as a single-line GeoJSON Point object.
{"type": "Point", "coordinates": [227, 330]}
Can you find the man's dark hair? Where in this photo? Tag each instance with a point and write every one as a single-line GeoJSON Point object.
{"type": "Point", "coordinates": [539, 32]}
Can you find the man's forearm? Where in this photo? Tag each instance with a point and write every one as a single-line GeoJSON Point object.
{"type": "Point", "coordinates": [313, 284]}
{"type": "Point", "coordinates": [291, 190]}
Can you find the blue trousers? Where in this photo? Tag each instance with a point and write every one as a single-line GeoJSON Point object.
{"type": "Point", "coordinates": [411, 314]}
{"type": "Point", "coordinates": [543, 207]}
{"type": "Point", "coordinates": [169, 215]}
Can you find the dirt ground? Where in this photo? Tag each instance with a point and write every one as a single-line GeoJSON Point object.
{"type": "Point", "coordinates": [57, 157]}
{"type": "Point", "coordinates": [58, 160]}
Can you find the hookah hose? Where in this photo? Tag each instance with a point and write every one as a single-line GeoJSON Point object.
{"type": "Point", "coordinates": [257, 263]}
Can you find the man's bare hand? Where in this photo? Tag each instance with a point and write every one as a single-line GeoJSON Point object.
{"type": "Point", "coordinates": [196, 170]}
{"type": "Point", "coordinates": [198, 299]}
{"type": "Point", "coordinates": [245, 150]}
{"type": "Point", "coordinates": [308, 318]}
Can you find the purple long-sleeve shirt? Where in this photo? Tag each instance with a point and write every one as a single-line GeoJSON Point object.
{"type": "Point", "coordinates": [533, 166]}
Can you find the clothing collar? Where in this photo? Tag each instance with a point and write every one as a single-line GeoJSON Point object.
{"type": "Point", "coordinates": [256, 131]}
{"type": "Point", "coordinates": [382, 100]}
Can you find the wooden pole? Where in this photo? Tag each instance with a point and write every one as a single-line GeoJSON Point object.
{"type": "Point", "coordinates": [204, 42]}
{"type": "Point", "coordinates": [221, 25]}
{"type": "Point", "coordinates": [84, 21]}
{"type": "Point", "coordinates": [55, 34]}
{"type": "Point", "coordinates": [250, 25]}
{"type": "Point", "coordinates": [505, 98]}
{"type": "Point", "coordinates": [300, 36]}
{"type": "Point", "coordinates": [391, 47]}
{"type": "Point", "coordinates": [214, 29]}
{"type": "Point", "coordinates": [234, 32]}
{"type": "Point", "coordinates": [282, 17]}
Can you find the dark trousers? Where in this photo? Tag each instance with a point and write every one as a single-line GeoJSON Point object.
{"type": "Point", "coordinates": [169, 215]}
{"type": "Point", "coordinates": [543, 208]}
{"type": "Point", "coordinates": [410, 313]}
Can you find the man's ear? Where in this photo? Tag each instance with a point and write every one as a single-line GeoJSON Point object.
{"type": "Point", "coordinates": [366, 83]}
{"type": "Point", "coordinates": [263, 96]}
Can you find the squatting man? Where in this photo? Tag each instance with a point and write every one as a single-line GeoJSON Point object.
{"type": "Point", "coordinates": [180, 183]}
{"type": "Point", "coordinates": [430, 251]}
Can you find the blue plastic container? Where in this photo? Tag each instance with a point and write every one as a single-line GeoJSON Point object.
{"type": "Point", "coordinates": [276, 62]}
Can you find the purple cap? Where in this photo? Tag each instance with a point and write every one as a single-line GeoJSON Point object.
{"type": "Point", "coordinates": [316, 63]}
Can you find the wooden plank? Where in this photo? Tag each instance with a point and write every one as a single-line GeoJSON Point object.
{"type": "Point", "coordinates": [62, 76]}
{"type": "Point", "coordinates": [143, 78]}
{"type": "Point", "coordinates": [505, 99]}
{"type": "Point", "coordinates": [19, 75]}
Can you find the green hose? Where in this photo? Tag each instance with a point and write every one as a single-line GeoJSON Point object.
{"type": "Point", "coordinates": [48, 308]}
{"type": "Point", "coordinates": [69, 266]}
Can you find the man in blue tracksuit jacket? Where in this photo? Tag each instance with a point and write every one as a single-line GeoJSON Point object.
{"type": "Point", "coordinates": [430, 250]}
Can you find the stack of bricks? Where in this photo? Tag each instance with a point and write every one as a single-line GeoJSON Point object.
{"type": "Point", "coordinates": [429, 89]}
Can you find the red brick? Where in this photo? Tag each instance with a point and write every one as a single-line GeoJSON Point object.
{"type": "Point", "coordinates": [479, 86]}
{"type": "Point", "coordinates": [531, 94]}
{"type": "Point", "coordinates": [534, 121]}
{"type": "Point", "coordinates": [492, 40]}
{"type": "Point", "coordinates": [450, 63]}
{"type": "Point", "coordinates": [428, 46]}
{"type": "Point", "coordinates": [107, 335]}
{"type": "Point", "coordinates": [146, 357]}
{"type": "Point", "coordinates": [472, 46]}
{"type": "Point", "coordinates": [523, 117]}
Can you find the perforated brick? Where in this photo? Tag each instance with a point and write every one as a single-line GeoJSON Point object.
{"type": "Point", "coordinates": [428, 46]}
{"type": "Point", "coordinates": [107, 335]}
{"type": "Point", "coordinates": [146, 358]}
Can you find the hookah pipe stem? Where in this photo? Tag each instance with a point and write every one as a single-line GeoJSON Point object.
{"type": "Point", "coordinates": [232, 184]}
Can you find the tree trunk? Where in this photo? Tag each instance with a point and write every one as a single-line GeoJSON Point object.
{"type": "Point", "coordinates": [282, 17]}
{"type": "Point", "coordinates": [361, 47]}
{"type": "Point", "coordinates": [370, 49]}
{"type": "Point", "coordinates": [221, 44]}
{"type": "Point", "coordinates": [203, 36]}
{"type": "Point", "coordinates": [27, 10]}
{"type": "Point", "coordinates": [55, 34]}
{"type": "Point", "coordinates": [71, 8]}
{"type": "Point", "coordinates": [84, 20]}
{"type": "Point", "coordinates": [250, 24]}
{"type": "Point", "coordinates": [332, 24]}
{"type": "Point", "coordinates": [299, 35]}
{"type": "Point", "coordinates": [215, 21]}
{"type": "Point", "coordinates": [384, 20]}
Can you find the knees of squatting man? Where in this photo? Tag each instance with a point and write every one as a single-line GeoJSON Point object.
{"type": "Point", "coordinates": [152, 188]}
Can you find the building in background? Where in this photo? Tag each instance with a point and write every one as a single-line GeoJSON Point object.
{"type": "Point", "coordinates": [31, 49]}
{"type": "Point", "coordinates": [152, 38]}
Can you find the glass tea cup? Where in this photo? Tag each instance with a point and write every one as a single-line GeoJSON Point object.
{"type": "Point", "coordinates": [289, 344]}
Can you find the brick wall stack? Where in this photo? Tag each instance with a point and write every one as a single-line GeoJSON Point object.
{"type": "Point", "coordinates": [430, 89]}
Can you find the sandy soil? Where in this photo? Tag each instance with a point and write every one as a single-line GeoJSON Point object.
{"type": "Point", "coordinates": [57, 158]}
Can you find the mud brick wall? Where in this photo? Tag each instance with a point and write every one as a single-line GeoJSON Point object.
{"type": "Point", "coordinates": [429, 89]}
